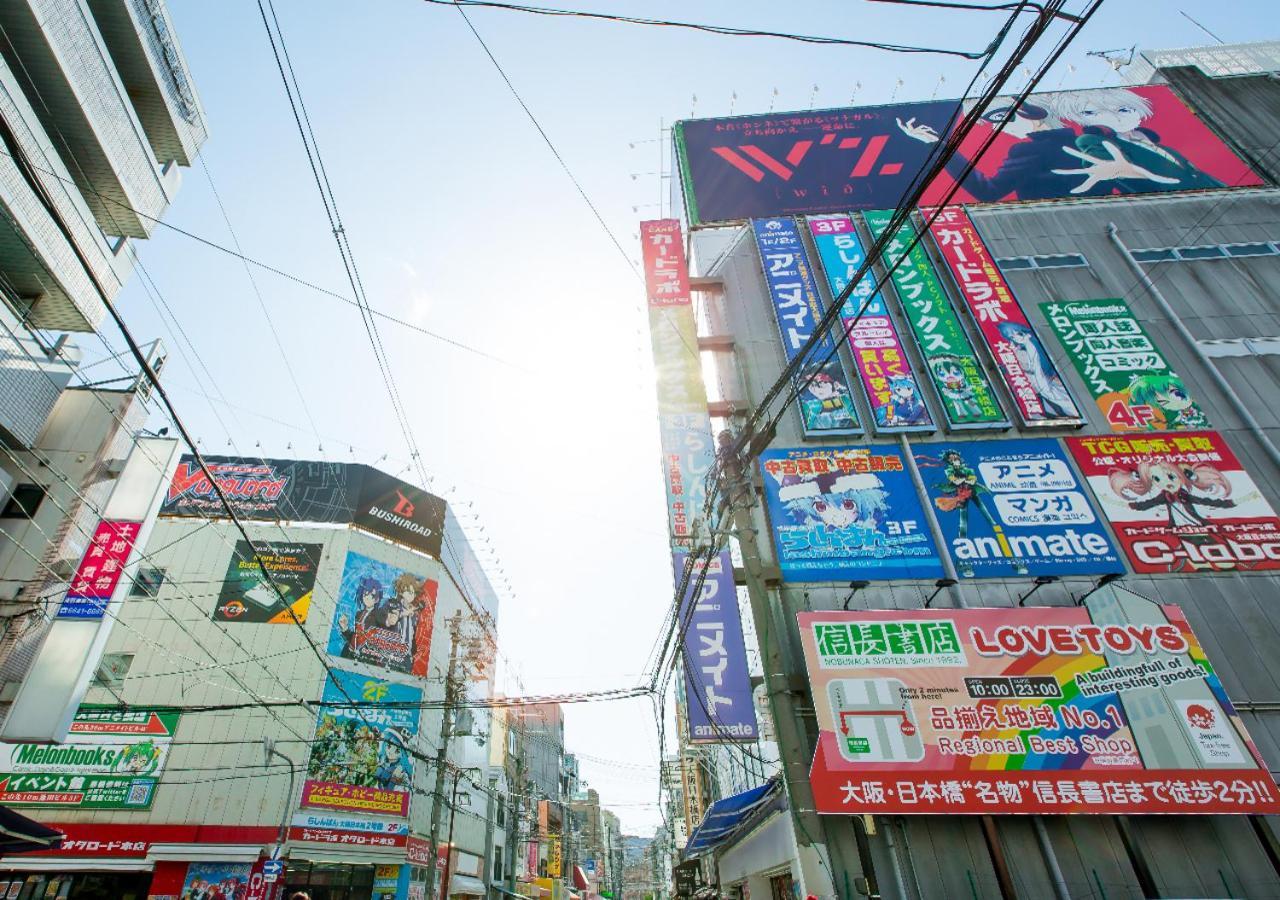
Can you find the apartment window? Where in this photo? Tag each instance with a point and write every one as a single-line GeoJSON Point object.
{"type": "Point", "coordinates": [501, 814]}
{"type": "Point", "coordinates": [23, 502]}
{"type": "Point", "coordinates": [112, 670]}
{"type": "Point", "coordinates": [147, 582]}
{"type": "Point", "coordinates": [497, 863]}
{"type": "Point", "coordinates": [1046, 261]}
{"type": "Point", "coordinates": [1206, 251]}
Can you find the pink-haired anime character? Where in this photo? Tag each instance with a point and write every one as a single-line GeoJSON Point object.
{"type": "Point", "coordinates": [1181, 489]}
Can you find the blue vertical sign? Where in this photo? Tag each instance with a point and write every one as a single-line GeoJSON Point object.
{"type": "Point", "coordinates": [718, 684]}
{"type": "Point", "coordinates": [826, 404]}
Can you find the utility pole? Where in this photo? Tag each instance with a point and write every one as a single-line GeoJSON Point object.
{"type": "Point", "coordinates": [442, 755]}
{"type": "Point", "coordinates": [780, 688]}
{"type": "Point", "coordinates": [517, 791]}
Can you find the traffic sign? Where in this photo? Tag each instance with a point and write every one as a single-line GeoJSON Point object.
{"type": "Point", "coordinates": [272, 869]}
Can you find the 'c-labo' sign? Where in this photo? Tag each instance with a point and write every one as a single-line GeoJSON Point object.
{"type": "Point", "coordinates": [1108, 708]}
{"type": "Point", "coordinates": [112, 760]}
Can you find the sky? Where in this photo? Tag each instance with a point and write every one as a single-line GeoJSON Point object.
{"type": "Point", "coordinates": [463, 223]}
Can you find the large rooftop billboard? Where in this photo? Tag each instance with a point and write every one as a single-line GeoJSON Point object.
{"type": "Point", "coordinates": [1089, 143]}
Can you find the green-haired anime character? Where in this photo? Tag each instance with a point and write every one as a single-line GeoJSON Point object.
{"type": "Point", "coordinates": [1167, 393]}
{"type": "Point", "coordinates": [140, 758]}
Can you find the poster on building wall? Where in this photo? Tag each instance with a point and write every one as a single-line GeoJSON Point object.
{"type": "Point", "coordinates": [1111, 707]}
{"type": "Point", "coordinates": [288, 489]}
{"type": "Point", "coordinates": [1014, 508]}
{"type": "Point", "coordinates": [112, 759]}
{"type": "Point", "coordinates": [717, 678]}
{"type": "Point", "coordinates": [216, 880]}
{"type": "Point", "coordinates": [1125, 371]}
{"type": "Point", "coordinates": [247, 596]}
{"type": "Point", "coordinates": [1028, 370]}
{"type": "Point", "coordinates": [968, 400]}
{"type": "Point", "coordinates": [1180, 502]}
{"type": "Point", "coordinates": [890, 384]}
{"type": "Point", "coordinates": [683, 421]}
{"type": "Point", "coordinates": [359, 761]}
{"type": "Point", "coordinates": [1057, 145]}
{"type": "Point", "coordinates": [841, 513]}
{"type": "Point", "coordinates": [825, 403]}
{"type": "Point", "coordinates": [384, 616]}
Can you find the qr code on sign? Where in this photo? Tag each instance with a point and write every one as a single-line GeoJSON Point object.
{"type": "Point", "coordinates": [139, 794]}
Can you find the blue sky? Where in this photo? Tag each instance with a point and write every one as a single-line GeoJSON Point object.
{"type": "Point", "coordinates": [463, 223]}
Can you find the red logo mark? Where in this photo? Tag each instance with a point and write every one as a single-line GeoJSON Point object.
{"type": "Point", "coordinates": [1200, 716]}
{"type": "Point", "coordinates": [754, 168]}
{"type": "Point", "coordinates": [403, 506]}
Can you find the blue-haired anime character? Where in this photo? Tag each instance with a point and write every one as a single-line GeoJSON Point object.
{"type": "Point", "coordinates": [846, 501]}
{"type": "Point", "coordinates": [368, 600]}
{"type": "Point", "coordinates": [1039, 369]}
{"type": "Point", "coordinates": [905, 405]}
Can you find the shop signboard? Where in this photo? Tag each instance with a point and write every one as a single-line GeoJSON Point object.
{"type": "Point", "coordinates": [825, 403]}
{"type": "Point", "coordinates": [100, 570]}
{"type": "Point", "coordinates": [1110, 707]}
{"type": "Point", "coordinates": [891, 387]}
{"type": "Point", "coordinates": [1055, 145]}
{"type": "Point", "coordinates": [841, 513]}
{"type": "Point", "coordinates": [112, 759]}
{"type": "Point", "coordinates": [1129, 377]}
{"type": "Point", "coordinates": [247, 596]}
{"type": "Point", "coordinates": [968, 399]}
{"type": "Point", "coordinates": [1180, 502]}
{"type": "Point", "coordinates": [1029, 372]}
{"type": "Point", "coordinates": [384, 615]}
{"type": "Point", "coordinates": [720, 705]}
{"type": "Point", "coordinates": [1014, 508]}
{"type": "Point", "coordinates": [398, 511]}
{"type": "Point", "coordinates": [350, 831]}
{"type": "Point", "coordinates": [359, 761]}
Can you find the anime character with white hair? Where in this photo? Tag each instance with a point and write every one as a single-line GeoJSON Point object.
{"type": "Point", "coordinates": [1117, 148]}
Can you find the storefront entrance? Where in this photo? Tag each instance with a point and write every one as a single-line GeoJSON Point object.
{"type": "Point", "coordinates": [780, 887]}
{"type": "Point", "coordinates": [74, 886]}
{"type": "Point", "coordinates": [329, 881]}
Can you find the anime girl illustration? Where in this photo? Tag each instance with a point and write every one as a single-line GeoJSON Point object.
{"type": "Point", "coordinates": [905, 406]}
{"type": "Point", "coordinates": [1167, 393]}
{"type": "Point", "coordinates": [1117, 149]}
{"type": "Point", "coordinates": [837, 503]}
{"type": "Point", "coordinates": [827, 405]}
{"type": "Point", "coordinates": [960, 492]}
{"type": "Point", "coordinates": [954, 386]}
{"type": "Point", "coordinates": [1039, 369]}
{"type": "Point", "coordinates": [1183, 490]}
{"type": "Point", "coordinates": [391, 773]}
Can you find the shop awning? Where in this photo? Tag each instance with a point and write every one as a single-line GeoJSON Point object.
{"type": "Point", "coordinates": [466, 886]}
{"type": "Point", "coordinates": [18, 834]}
{"type": "Point", "coordinates": [580, 879]}
{"type": "Point", "coordinates": [727, 815]}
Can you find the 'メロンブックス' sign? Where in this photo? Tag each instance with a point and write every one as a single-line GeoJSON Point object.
{"type": "Point", "coordinates": [1107, 708]}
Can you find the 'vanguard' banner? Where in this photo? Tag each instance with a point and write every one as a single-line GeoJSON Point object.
{"type": "Point", "coordinates": [720, 704]}
{"type": "Point", "coordinates": [826, 406]}
{"type": "Point", "coordinates": [1014, 507]}
{"type": "Point", "coordinates": [968, 400]}
{"type": "Point", "coordinates": [1062, 144]}
{"type": "Point", "coordinates": [1126, 373]}
{"type": "Point", "coordinates": [890, 385]}
{"type": "Point", "coordinates": [1028, 370]}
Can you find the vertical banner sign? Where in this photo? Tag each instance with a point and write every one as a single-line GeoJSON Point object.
{"type": "Point", "coordinates": [1015, 507]}
{"type": "Point", "coordinates": [826, 406]}
{"type": "Point", "coordinates": [891, 387]}
{"type": "Point", "coordinates": [1028, 370]}
{"type": "Point", "coordinates": [1126, 373]}
{"type": "Point", "coordinates": [99, 570]}
{"type": "Point", "coordinates": [717, 681]}
{"type": "Point", "coordinates": [840, 513]}
{"type": "Point", "coordinates": [685, 427]}
{"type": "Point", "coordinates": [1180, 503]}
{"type": "Point", "coordinates": [968, 400]}
{"type": "Point", "coordinates": [1107, 708]}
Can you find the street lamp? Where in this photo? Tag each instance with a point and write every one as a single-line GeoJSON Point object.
{"type": "Point", "coordinates": [269, 750]}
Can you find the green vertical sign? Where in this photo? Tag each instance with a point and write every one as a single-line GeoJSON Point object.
{"type": "Point", "coordinates": [1129, 377]}
{"type": "Point", "coordinates": [967, 398]}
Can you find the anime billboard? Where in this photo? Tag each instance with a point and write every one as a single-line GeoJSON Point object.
{"type": "Point", "coordinates": [826, 406]}
{"type": "Point", "coordinates": [1014, 508]}
{"type": "Point", "coordinates": [887, 379]}
{"type": "Point", "coordinates": [841, 513]}
{"type": "Point", "coordinates": [246, 595]}
{"type": "Point", "coordinates": [1180, 502]}
{"type": "Point", "coordinates": [359, 759]}
{"type": "Point", "coordinates": [384, 616]}
{"type": "Point", "coordinates": [968, 400]}
{"type": "Point", "coordinates": [720, 706]}
{"type": "Point", "coordinates": [1111, 707]}
{"type": "Point", "coordinates": [287, 489]}
{"type": "Point", "coordinates": [1063, 144]}
{"type": "Point", "coordinates": [1124, 370]}
{"type": "Point", "coordinates": [1029, 371]}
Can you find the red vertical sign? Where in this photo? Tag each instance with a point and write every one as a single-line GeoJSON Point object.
{"type": "Point", "coordinates": [666, 276]}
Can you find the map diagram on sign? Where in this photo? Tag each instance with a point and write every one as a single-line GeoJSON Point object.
{"type": "Point", "coordinates": [875, 720]}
